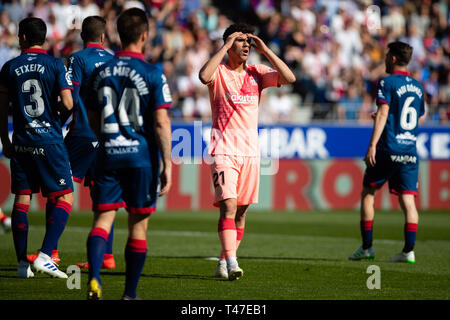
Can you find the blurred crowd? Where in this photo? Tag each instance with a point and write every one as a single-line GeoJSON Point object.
{"type": "Point", "coordinates": [335, 48]}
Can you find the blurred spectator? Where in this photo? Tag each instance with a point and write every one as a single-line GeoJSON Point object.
{"type": "Point", "coordinates": [333, 49]}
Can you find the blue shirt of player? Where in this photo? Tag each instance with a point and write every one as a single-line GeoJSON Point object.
{"type": "Point", "coordinates": [81, 67]}
{"type": "Point", "coordinates": [405, 98]}
{"type": "Point", "coordinates": [125, 92]}
{"type": "Point", "coordinates": [34, 81]}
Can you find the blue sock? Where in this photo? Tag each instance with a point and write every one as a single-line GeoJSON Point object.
{"type": "Point", "coordinates": [410, 236]}
{"type": "Point", "coordinates": [56, 225]}
{"type": "Point", "coordinates": [109, 244]}
{"type": "Point", "coordinates": [96, 246]}
{"type": "Point", "coordinates": [135, 254]}
{"type": "Point", "coordinates": [49, 206]}
{"type": "Point", "coordinates": [366, 233]}
{"type": "Point", "coordinates": [19, 223]}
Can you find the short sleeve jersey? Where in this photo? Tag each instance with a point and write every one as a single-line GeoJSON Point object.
{"type": "Point", "coordinates": [405, 98]}
{"type": "Point", "coordinates": [125, 92]}
{"type": "Point", "coordinates": [81, 67]}
{"type": "Point", "coordinates": [33, 81]}
{"type": "Point", "coordinates": [234, 98]}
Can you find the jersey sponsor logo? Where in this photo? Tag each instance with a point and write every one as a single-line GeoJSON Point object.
{"type": "Point", "coordinates": [121, 141]}
{"type": "Point", "coordinates": [38, 124]}
{"type": "Point", "coordinates": [406, 138]}
{"type": "Point", "coordinates": [30, 150]}
{"type": "Point", "coordinates": [242, 99]}
{"type": "Point", "coordinates": [404, 159]}
{"type": "Point", "coordinates": [121, 145]}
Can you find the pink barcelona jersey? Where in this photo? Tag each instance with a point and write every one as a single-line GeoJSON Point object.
{"type": "Point", "coordinates": [234, 100]}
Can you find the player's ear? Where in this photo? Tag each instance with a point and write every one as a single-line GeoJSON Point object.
{"type": "Point", "coordinates": [102, 38]}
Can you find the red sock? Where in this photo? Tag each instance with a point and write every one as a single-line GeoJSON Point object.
{"type": "Point", "coordinates": [227, 235]}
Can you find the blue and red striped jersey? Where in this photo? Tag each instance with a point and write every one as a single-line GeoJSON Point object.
{"type": "Point", "coordinates": [33, 82]}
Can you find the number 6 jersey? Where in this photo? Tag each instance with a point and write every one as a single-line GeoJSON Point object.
{"type": "Point", "coordinates": [125, 92]}
{"type": "Point", "coordinates": [405, 98]}
{"type": "Point", "coordinates": [33, 82]}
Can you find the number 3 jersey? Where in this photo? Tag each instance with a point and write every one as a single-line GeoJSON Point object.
{"type": "Point", "coordinates": [125, 93]}
{"type": "Point", "coordinates": [33, 82]}
{"type": "Point", "coordinates": [405, 98]}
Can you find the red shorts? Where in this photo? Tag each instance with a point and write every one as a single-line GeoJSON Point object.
{"type": "Point", "coordinates": [235, 177]}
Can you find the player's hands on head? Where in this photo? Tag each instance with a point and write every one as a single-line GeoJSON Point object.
{"type": "Point", "coordinates": [231, 38]}
{"type": "Point", "coordinates": [258, 44]}
{"type": "Point", "coordinates": [166, 181]}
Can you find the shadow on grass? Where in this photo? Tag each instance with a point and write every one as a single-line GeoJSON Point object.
{"type": "Point", "coordinates": [165, 276]}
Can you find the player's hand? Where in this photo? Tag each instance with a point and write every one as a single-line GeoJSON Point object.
{"type": "Point", "coordinates": [166, 181]}
{"type": "Point", "coordinates": [373, 115]}
{"type": "Point", "coordinates": [258, 44]}
{"type": "Point", "coordinates": [230, 40]}
{"type": "Point", "coordinates": [370, 157]}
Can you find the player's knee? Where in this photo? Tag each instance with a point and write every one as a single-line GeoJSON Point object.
{"type": "Point", "coordinates": [66, 197]}
{"type": "Point", "coordinates": [228, 208]}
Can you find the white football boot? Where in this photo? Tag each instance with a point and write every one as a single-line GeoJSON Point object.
{"type": "Point", "coordinates": [44, 263]}
{"type": "Point", "coordinates": [404, 257]}
{"type": "Point", "coordinates": [221, 270]}
{"type": "Point", "coordinates": [234, 272]}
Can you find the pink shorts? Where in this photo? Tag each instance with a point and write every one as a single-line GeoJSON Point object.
{"type": "Point", "coordinates": [235, 177]}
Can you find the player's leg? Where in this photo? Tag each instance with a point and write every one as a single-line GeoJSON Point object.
{"type": "Point", "coordinates": [96, 247]}
{"type": "Point", "coordinates": [140, 194]}
{"type": "Point", "coordinates": [404, 184]}
{"type": "Point", "coordinates": [241, 214]}
{"type": "Point", "coordinates": [19, 222]}
{"type": "Point", "coordinates": [407, 203]}
{"type": "Point", "coordinates": [135, 253]}
{"type": "Point", "coordinates": [24, 182]}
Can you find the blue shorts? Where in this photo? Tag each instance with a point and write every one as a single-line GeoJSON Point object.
{"type": "Point", "coordinates": [41, 168]}
{"type": "Point", "coordinates": [82, 154]}
{"type": "Point", "coordinates": [132, 188]}
{"type": "Point", "coordinates": [401, 172]}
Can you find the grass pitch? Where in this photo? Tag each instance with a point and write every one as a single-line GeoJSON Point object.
{"type": "Point", "coordinates": [284, 255]}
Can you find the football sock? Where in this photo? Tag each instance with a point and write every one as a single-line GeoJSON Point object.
{"type": "Point", "coordinates": [240, 234]}
{"type": "Point", "coordinates": [410, 236]}
{"type": "Point", "coordinates": [96, 246]}
{"type": "Point", "coordinates": [19, 222]}
{"type": "Point", "coordinates": [55, 226]}
{"type": "Point", "coordinates": [366, 233]}
{"type": "Point", "coordinates": [227, 235]}
{"type": "Point", "coordinates": [49, 206]}
{"type": "Point", "coordinates": [135, 254]}
{"type": "Point", "coordinates": [109, 244]}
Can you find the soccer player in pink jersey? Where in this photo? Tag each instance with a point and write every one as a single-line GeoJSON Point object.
{"type": "Point", "coordinates": [235, 89]}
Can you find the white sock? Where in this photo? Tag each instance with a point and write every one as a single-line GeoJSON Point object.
{"type": "Point", "coordinates": [231, 261]}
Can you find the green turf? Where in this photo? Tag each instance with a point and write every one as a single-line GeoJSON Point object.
{"type": "Point", "coordinates": [285, 255]}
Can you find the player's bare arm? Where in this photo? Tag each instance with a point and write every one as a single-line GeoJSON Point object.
{"type": "Point", "coordinates": [207, 71]}
{"type": "Point", "coordinates": [285, 75]}
{"type": "Point", "coordinates": [378, 127]}
{"type": "Point", "coordinates": [66, 98]}
{"type": "Point", "coordinates": [164, 138]}
{"type": "Point", "coordinates": [6, 143]}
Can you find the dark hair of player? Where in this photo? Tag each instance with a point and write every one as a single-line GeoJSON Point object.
{"type": "Point", "coordinates": [238, 27]}
{"type": "Point", "coordinates": [34, 30]}
{"type": "Point", "coordinates": [402, 51]}
{"type": "Point", "coordinates": [92, 29]}
{"type": "Point", "coordinates": [132, 23]}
